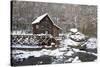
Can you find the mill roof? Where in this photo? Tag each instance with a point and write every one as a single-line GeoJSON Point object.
{"type": "Point", "coordinates": [38, 19]}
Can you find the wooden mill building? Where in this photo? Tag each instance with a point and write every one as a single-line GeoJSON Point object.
{"type": "Point", "coordinates": [45, 25]}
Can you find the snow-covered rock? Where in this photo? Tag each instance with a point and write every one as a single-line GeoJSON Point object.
{"type": "Point", "coordinates": [76, 50]}
{"type": "Point", "coordinates": [70, 42]}
{"type": "Point", "coordinates": [56, 53]}
{"type": "Point", "coordinates": [45, 52]}
{"type": "Point", "coordinates": [69, 60]}
{"type": "Point", "coordinates": [78, 37]}
{"type": "Point", "coordinates": [76, 59]}
{"type": "Point", "coordinates": [19, 55]}
{"type": "Point", "coordinates": [69, 53]}
{"type": "Point", "coordinates": [35, 53]}
{"type": "Point", "coordinates": [91, 43]}
{"type": "Point", "coordinates": [63, 49]}
{"type": "Point", "coordinates": [73, 30]}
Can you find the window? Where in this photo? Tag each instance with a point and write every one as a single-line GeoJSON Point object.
{"type": "Point", "coordinates": [37, 26]}
{"type": "Point", "coordinates": [46, 32]}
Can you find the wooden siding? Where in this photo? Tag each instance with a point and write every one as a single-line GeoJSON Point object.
{"type": "Point", "coordinates": [46, 26]}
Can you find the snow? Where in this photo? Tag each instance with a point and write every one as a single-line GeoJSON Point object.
{"type": "Point", "coordinates": [70, 42]}
{"type": "Point", "coordinates": [20, 32]}
{"type": "Point", "coordinates": [76, 59]}
{"type": "Point", "coordinates": [56, 53]}
{"type": "Point", "coordinates": [45, 52]}
{"type": "Point", "coordinates": [69, 53]}
{"type": "Point", "coordinates": [26, 54]}
{"type": "Point", "coordinates": [35, 54]}
{"type": "Point", "coordinates": [75, 35]}
{"type": "Point", "coordinates": [63, 54]}
{"type": "Point", "coordinates": [39, 18]}
{"type": "Point", "coordinates": [25, 46]}
{"type": "Point", "coordinates": [52, 43]}
{"type": "Point", "coordinates": [42, 34]}
{"type": "Point", "coordinates": [19, 55]}
{"type": "Point", "coordinates": [76, 50]}
{"type": "Point", "coordinates": [57, 26]}
{"type": "Point", "coordinates": [91, 43]}
{"type": "Point", "coordinates": [79, 39]}
{"type": "Point", "coordinates": [78, 36]}
{"type": "Point", "coordinates": [73, 39]}
{"type": "Point", "coordinates": [69, 60]}
{"type": "Point", "coordinates": [74, 30]}
{"type": "Point", "coordinates": [62, 49]}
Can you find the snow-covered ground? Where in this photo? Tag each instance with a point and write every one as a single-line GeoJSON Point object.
{"type": "Point", "coordinates": [68, 41]}
{"type": "Point", "coordinates": [63, 54]}
{"type": "Point", "coordinates": [25, 46]}
{"type": "Point", "coordinates": [19, 54]}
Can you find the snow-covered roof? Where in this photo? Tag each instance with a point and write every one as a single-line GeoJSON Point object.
{"type": "Point", "coordinates": [41, 17]}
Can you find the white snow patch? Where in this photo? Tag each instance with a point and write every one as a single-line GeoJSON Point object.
{"type": "Point", "coordinates": [76, 50]}
{"type": "Point", "coordinates": [39, 18]}
{"type": "Point", "coordinates": [20, 32]}
{"type": "Point", "coordinates": [74, 30]}
{"type": "Point", "coordinates": [76, 59]}
{"type": "Point", "coordinates": [62, 49]}
{"type": "Point", "coordinates": [25, 46]}
{"type": "Point", "coordinates": [45, 52]}
{"type": "Point", "coordinates": [56, 53]}
{"type": "Point", "coordinates": [69, 53]}
{"type": "Point", "coordinates": [77, 36]}
{"type": "Point", "coordinates": [35, 54]}
{"type": "Point", "coordinates": [91, 43]}
{"type": "Point", "coordinates": [70, 42]}
{"type": "Point", "coordinates": [69, 60]}
{"type": "Point", "coordinates": [19, 55]}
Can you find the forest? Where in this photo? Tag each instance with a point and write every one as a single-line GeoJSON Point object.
{"type": "Point", "coordinates": [66, 16]}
